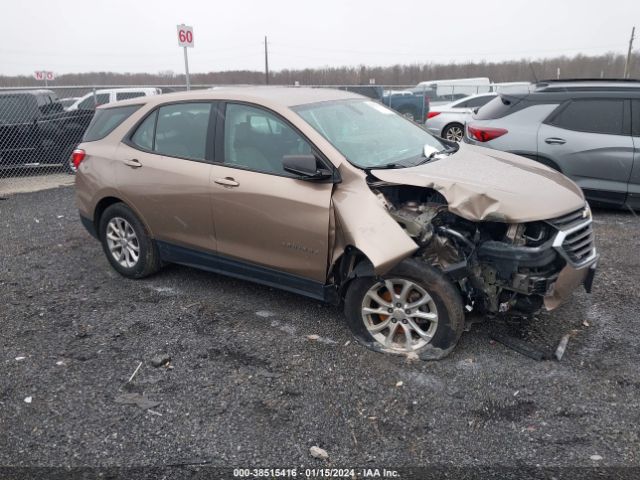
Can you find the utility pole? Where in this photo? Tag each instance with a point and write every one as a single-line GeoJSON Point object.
{"type": "Point", "coordinates": [627, 64]}
{"type": "Point", "coordinates": [266, 62]}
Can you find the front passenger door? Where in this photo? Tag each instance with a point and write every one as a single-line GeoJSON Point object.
{"type": "Point", "coordinates": [264, 215]}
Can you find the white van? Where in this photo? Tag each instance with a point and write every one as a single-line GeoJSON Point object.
{"type": "Point", "coordinates": [88, 102]}
{"type": "Point", "coordinates": [445, 91]}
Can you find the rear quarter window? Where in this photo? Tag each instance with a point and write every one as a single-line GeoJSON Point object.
{"type": "Point", "coordinates": [106, 120]}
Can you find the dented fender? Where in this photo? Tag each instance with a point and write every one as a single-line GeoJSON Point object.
{"type": "Point", "coordinates": [363, 222]}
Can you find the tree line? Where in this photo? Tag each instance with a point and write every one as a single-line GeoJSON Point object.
{"type": "Point", "coordinates": [610, 65]}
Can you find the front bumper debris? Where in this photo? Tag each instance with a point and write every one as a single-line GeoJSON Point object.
{"type": "Point", "coordinates": [568, 280]}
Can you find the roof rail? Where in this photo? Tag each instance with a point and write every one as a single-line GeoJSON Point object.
{"type": "Point", "coordinates": [575, 80]}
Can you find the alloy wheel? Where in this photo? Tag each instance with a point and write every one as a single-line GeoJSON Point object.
{"type": "Point", "coordinates": [454, 134]}
{"type": "Point", "coordinates": [123, 242]}
{"type": "Point", "coordinates": [400, 315]}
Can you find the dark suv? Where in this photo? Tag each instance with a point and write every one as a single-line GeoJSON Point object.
{"type": "Point", "coordinates": [35, 129]}
{"type": "Point", "coordinates": [587, 129]}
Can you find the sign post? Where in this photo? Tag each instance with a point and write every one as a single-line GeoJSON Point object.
{"type": "Point", "coordinates": [185, 40]}
{"type": "Point", "coordinates": [44, 75]}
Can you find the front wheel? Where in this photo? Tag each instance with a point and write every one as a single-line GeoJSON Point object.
{"type": "Point", "coordinates": [413, 309]}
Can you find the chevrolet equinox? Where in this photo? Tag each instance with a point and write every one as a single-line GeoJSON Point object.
{"type": "Point", "coordinates": [331, 195]}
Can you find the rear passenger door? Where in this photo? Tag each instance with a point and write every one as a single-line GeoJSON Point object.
{"type": "Point", "coordinates": [589, 139]}
{"type": "Point", "coordinates": [163, 173]}
{"type": "Point", "coordinates": [633, 198]}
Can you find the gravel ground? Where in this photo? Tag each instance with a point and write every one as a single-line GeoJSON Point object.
{"type": "Point", "coordinates": [246, 387]}
{"type": "Point", "coordinates": [21, 184]}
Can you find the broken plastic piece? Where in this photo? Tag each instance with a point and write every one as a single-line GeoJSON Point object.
{"type": "Point", "coordinates": [520, 346]}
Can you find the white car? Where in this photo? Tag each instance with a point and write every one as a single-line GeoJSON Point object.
{"type": "Point", "coordinates": [447, 121]}
{"type": "Point", "coordinates": [109, 95]}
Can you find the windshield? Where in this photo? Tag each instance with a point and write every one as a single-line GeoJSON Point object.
{"type": "Point", "coordinates": [368, 134]}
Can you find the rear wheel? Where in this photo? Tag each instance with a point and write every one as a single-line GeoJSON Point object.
{"type": "Point", "coordinates": [407, 113]}
{"type": "Point", "coordinates": [413, 309]}
{"type": "Point", "coordinates": [453, 132]}
{"type": "Point", "coordinates": [126, 243]}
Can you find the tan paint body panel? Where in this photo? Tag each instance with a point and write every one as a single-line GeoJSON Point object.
{"type": "Point", "coordinates": [483, 184]}
{"type": "Point", "coordinates": [364, 223]}
{"type": "Point", "coordinates": [273, 221]}
{"type": "Point", "coordinates": [172, 194]}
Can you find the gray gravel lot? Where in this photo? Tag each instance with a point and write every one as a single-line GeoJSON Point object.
{"type": "Point", "coordinates": [246, 387]}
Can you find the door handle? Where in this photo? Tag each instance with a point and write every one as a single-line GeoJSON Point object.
{"type": "Point", "coordinates": [555, 141]}
{"type": "Point", "coordinates": [227, 182]}
{"type": "Point", "coordinates": [133, 163]}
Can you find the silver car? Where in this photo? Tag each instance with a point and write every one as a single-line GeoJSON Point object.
{"type": "Point", "coordinates": [588, 130]}
{"type": "Point", "coordinates": [447, 121]}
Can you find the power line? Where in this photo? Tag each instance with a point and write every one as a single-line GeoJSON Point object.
{"type": "Point", "coordinates": [627, 64]}
{"type": "Point", "coordinates": [445, 55]}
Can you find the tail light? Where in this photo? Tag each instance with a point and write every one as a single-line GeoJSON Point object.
{"type": "Point", "coordinates": [432, 114]}
{"type": "Point", "coordinates": [485, 134]}
{"type": "Point", "coordinates": [76, 158]}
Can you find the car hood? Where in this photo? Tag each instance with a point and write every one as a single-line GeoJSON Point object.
{"type": "Point", "coordinates": [483, 184]}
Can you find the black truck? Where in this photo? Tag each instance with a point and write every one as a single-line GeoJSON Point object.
{"type": "Point", "coordinates": [36, 130]}
{"type": "Point", "coordinates": [413, 104]}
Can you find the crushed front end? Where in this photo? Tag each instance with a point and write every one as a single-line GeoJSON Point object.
{"type": "Point", "coordinates": [500, 268]}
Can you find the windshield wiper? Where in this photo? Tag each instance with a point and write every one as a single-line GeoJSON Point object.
{"type": "Point", "coordinates": [444, 151]}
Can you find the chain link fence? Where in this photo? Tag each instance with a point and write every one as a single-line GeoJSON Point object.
{"type": "Point", "coordinates": [40, 127]}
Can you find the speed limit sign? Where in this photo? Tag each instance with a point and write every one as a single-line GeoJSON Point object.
{"type": "Point", "coordinates": [185, 36]}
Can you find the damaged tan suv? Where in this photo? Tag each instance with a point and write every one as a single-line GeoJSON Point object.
{"type": "Point", "coordinates": [331, 195]}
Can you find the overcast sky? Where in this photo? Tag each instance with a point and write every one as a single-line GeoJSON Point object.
{"type": "Point", "coordinates": [140, 35]}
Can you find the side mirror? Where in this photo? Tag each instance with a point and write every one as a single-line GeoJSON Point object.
{"type": "Point", "coordinates": [305, 166]}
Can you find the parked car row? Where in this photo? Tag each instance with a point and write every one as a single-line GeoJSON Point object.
{"type": "Point", "coordinates": [448, 121]}
{"type": "Point", "coordinates": [37, 128]}
{"type": "Point", "coordinates": [588, 130]}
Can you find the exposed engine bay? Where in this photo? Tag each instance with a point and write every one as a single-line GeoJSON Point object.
{"type": "Point", "coordinates": [498, 267]}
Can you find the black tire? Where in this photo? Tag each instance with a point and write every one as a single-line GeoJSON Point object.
{"type": "Point", "coordinates": [452, 128]}
{"type": "Point", "coordinates": [148, 261]}
{"type": "Point", "coordinates": [408, 113]}
{"type": "Point", "coordinates": [444, 294]}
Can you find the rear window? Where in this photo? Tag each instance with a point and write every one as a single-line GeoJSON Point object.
{"type": "Point", "coordinates": [106, 120]}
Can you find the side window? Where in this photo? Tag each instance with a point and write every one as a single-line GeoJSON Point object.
{"type": "Point", "coordinates": [143, 137]}
{"type": "Point", "coordinates": [595, 116]}
{"type": "Point", "coordinates": [462, 104]}
{"type": "Point", "coordinates": [127, 95]}
{"type": "Point", "coordinates": [257, 140]}
{"type": "Point", "coordinates": [182, 129]}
